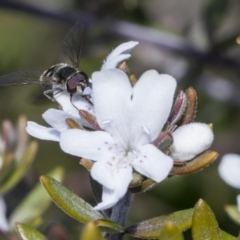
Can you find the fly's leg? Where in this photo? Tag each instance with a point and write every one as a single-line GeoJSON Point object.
{"type": "Point", "coordinates": [71, 100]}
{"type": "Point", "coordinates": [88, 98]}
{"type": "Point", "coordinates": [49, 93]}
{"type": "Point", "coordinates": [55, 92]}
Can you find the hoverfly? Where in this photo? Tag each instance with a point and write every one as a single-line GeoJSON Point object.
{"type": "Point", "coordinates": [61, 76]}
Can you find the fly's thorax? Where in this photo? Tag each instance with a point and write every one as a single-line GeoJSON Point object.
{"type": "Point", "coordinates": [57, 75]}
{"type": "Point", "coordinates": [64, 73]}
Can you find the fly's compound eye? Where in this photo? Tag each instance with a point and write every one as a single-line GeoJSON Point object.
{"type": "Point", "coordinates": [82, 80]}
{"type": "Point", "coordinates": [79, 79]}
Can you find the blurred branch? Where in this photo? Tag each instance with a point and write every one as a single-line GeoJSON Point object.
{"type": "Point", "coordinates": [171, 42]}
{"type": "Point", "coordinates": [132, 31]}
{"type": "Point", "coordinates": [66, 17]}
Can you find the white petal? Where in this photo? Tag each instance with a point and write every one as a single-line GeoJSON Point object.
{"type": "Point", "coordinates": [56, 119]}
{"type": "Point", "coordinates": [101, 172]}
{"type": "Point", "coordinates": [110, 199]}
{"type": "Point", "coordinates": [151, 103]}
{"type": "Point", "coordinates": [238, 202]}
{"type": "Point", "coordinates": [113, 63]}
{"type": "Point", "coordinates": [112, 91]}
{"type": "Point", "coordinates": [229, 169]}
{"type": "Point", "coordinates": [121, 177]}
{"type": "Point", "coordinates": [91, 145]}
{"type": "Point", "coordinates": [152, 163]}
{"type": "Point", "coordinates": [81, 103]}
{"type": "Point", "coordinates": [118, 55]}
{"type": "Point", "coordinates": [190, 140]}
{"type": "Point", "coordinates": [3, 220]}
{"type": "Point", "coordinates": [42, 132]}
{"type": "Point", "coordinates": [63, 99]}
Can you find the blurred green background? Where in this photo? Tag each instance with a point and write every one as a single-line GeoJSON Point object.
{"type": "Point", "coordinates": [193, 40]}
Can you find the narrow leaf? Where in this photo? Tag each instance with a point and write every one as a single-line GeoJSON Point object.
{"type": "Point", "coordinates": [227, 236]}
{"type": "Point", "coordinates": [171, 232]}
{"type": "Point", "coordinates": [152, 228]}
{"type": "Point", "coordinates": [91, 232]}
{"type": "Point", "coordinates": [69, 202]}
{"type": "Point", "coordinates": [8, 164]}
{"type": "Point", "coordinates": [20, 169]}
{"type": "Point", "coordinates": [28, 233]}
{"type": "Point", "coordinates": [32, 207]}
{"type": "Point", "coordinates": [233, 213]}
{"type": "Point", "coordinates": [108, 226]}
{"type": "Point", "coordinates": [204, 223]}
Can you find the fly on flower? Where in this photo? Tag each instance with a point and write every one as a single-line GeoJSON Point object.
{"type": "Point", "coordinates": [61, 76]}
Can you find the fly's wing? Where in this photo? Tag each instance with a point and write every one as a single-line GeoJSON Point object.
{"type": "Point", "coordinates": [72, 44]}
{"type": "Point", "coordinates": [20, 78]}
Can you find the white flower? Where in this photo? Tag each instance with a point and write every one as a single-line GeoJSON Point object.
{"type": "Point", "coordinates": [229, 170]}
{"type": "Point", "coordinates": [190, 140]}
{"type": "Point", "coordinates": [70, 109]}
{"type": "Point", "coordinates": [131, 119]}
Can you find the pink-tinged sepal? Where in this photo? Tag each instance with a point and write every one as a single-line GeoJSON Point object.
{"type": "Point", "coordinates": [194, 165]}
{"type": "Point", "coordinates": [191, 108]}
{"type": "Point", "coordinates": [177, 110]}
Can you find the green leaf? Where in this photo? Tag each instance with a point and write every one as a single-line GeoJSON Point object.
{"type": "Point", "coordinates": [109, 226]}
{"type": "Point", "coordinates": [204, 223]}
{"type": "Point", "coordinates": [91, 232]}
{"type": "Point", "coordinates": [28, 233]}
{"type": "Point", "coordinates": [171, 232]}
{"type": "Point", "coordinates": [152, 228]}
{"type": "Point", "coordinates": [69, 202]}
{"type": "Point", "coordinates": [29, 211]}
{"type": "Point", "coordinates": [19, 169]}
{"type": "Point", "coordinates": [227, 236]}
{"type": "Point", "coordinates": [233, 213]}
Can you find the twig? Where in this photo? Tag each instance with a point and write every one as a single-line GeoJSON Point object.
{"type": "Point", "coordinates": [129, 30]}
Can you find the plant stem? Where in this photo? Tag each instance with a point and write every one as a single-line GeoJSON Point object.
{"type": "Point", "coordinates": [119, 215]}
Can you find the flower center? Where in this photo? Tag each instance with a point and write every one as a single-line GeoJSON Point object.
{"type": "Point", "coordinates": [120, 156]}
